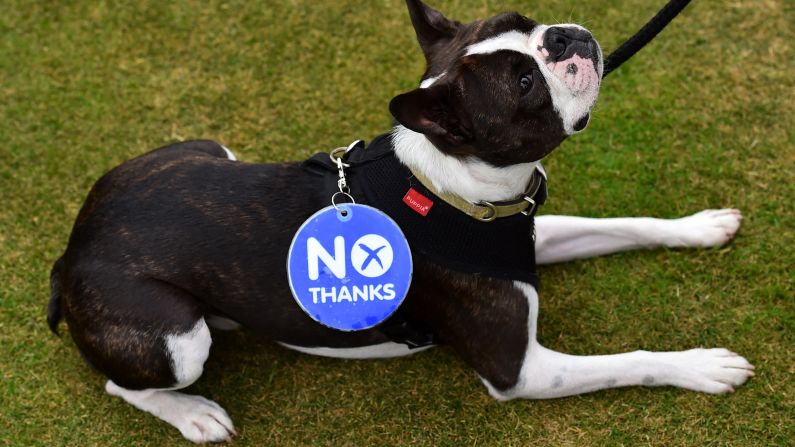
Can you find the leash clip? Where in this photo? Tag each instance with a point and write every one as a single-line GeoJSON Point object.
{"type": "Point", "coordinates": [342, 183]}
{"type": "Point", "coordinates": [336, 158]}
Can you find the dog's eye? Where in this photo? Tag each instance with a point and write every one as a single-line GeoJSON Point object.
{"type": "Point", "coordinates": [525, 82]}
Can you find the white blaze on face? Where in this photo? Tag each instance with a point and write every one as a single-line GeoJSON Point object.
{"type": "Point", "coordinates": [573, 83]}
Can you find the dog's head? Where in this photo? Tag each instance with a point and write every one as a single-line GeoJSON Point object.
{"type": "Point", "coordinates": [506, 90]}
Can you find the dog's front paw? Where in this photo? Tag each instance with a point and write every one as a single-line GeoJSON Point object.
{"type": "Point", "coordinates": [709, 228]}
{"type": "Point", "coordinates": [713, 371]}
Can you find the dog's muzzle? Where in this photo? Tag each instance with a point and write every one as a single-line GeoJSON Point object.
{"type": "Point", "coordinates": [573, 56]}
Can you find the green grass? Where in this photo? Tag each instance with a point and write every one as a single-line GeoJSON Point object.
{"type": "Point", "coordinates": [701, 118]}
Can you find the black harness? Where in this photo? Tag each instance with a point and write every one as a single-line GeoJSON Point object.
{"type": "Point", "coordinates": [503, 248]}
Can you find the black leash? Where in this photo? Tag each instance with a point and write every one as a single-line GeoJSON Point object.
{"type": "Point", "coordinates": [644, 36]}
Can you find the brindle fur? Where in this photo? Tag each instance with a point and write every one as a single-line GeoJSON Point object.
{"type": "Point", "coordinates": [216, 219]}
{"type": "Point", "coordinates": [183, 232]}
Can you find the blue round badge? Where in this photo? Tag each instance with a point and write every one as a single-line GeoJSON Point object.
{"type": "Point", "coordinates": [349, 268]}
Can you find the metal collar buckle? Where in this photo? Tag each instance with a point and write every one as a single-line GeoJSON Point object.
{"type": "Point", "coordinates": [529, 210]}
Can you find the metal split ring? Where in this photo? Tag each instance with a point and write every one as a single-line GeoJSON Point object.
{"type": "Point", "coordinates": [334, 200]}
{"type": "Point", "coordinates": [336, 155]}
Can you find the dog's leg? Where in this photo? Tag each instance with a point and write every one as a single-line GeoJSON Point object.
{"type": "Point", "coordinates": [549, 374]}
{"type": "Point", "coordinates": [565, 238]}
{"type": "Point", "coordinates": [198, 419]}
{"type": "Point", "coordinates": [149, 338]}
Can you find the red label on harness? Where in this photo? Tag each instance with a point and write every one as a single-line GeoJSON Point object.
{"type": "Point", "coordinates": [417, 202]}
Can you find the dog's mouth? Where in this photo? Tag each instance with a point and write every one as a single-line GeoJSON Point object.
{"type": "Point", "coordinates": [577, 73]}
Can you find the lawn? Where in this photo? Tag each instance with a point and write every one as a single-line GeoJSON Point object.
{"type": "Point", "coordinates": [702, 118]}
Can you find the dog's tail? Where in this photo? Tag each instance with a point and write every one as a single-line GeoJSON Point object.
{"type": "Point", "coordinates": [55, 308]}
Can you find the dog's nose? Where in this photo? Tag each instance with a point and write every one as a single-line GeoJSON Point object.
{"type": "Point", "coordinates": [562, 42]}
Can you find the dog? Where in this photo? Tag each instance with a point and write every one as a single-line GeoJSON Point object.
{"type": "Point", "coordinates": [186, 237]}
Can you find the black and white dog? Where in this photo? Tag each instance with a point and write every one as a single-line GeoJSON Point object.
{"type": "Point", "coordinates": [185, 237]}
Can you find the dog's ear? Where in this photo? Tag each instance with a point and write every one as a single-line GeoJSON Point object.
{"type": "Point", "coordinates": [430, 25]}
{"type": "Point", "coordinates": [430, 111]}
